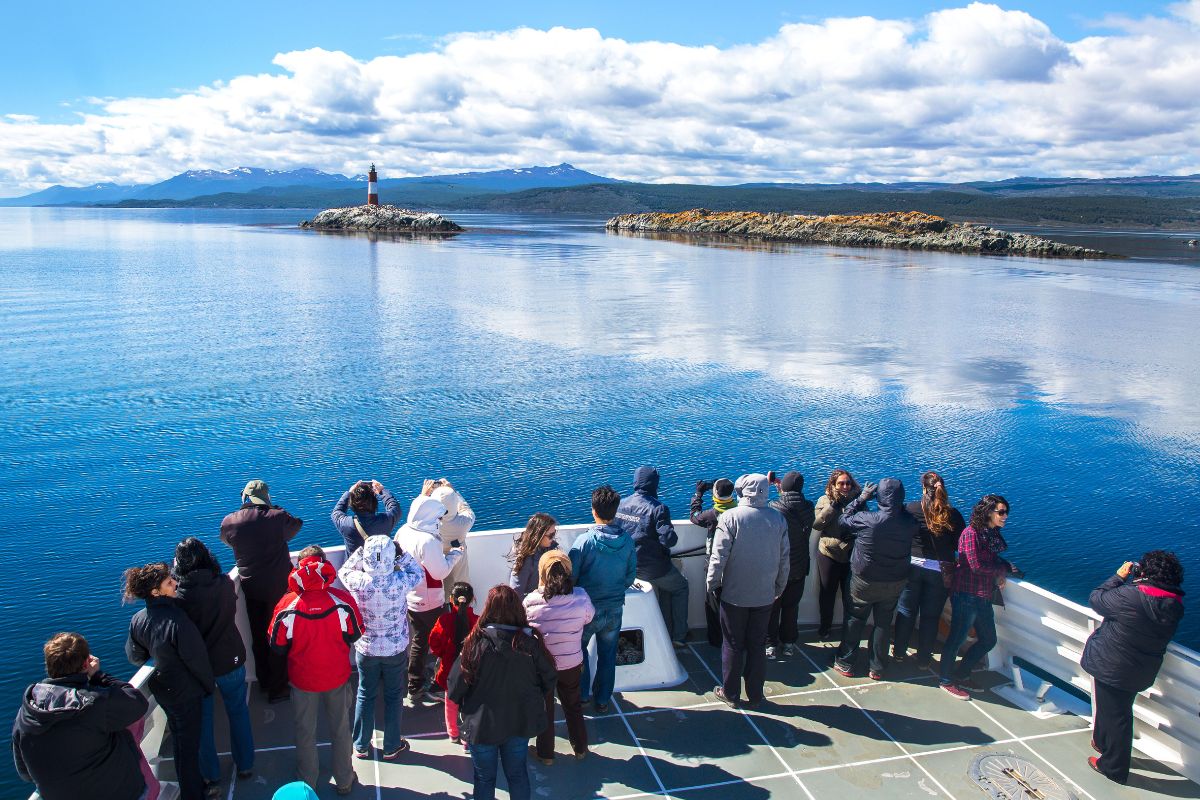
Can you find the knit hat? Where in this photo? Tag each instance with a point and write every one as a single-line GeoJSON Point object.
{"type": "Point", "coordinates": [256, 492]}
{"type": "Point", "coordinates": [792, 482]}
{"type": "Point", "coordinates": [723, 488]}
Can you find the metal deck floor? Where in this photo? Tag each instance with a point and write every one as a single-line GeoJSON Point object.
{"type": "Point", "coordinates": [819, 735]}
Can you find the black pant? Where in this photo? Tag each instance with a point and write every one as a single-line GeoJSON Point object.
{"type": "Point", "coordinates": [873, 599]}
{"type": "Point", "coordinates": [1113, 732]}
{"type": "Point", "coordinates": [833, 577]}
{"type": "Point", "coordinates": [420, 623]}
{"type": "Point", "coordinates": [269, 667]}
{"type": "Point", "coordinates": [712, 622]}
{"type": "Point", "coordinates": [782, 627]}
{"type": "Point", "coordinates": [744, 651]}
{"type": "Point", "coordinates": [183, 720]}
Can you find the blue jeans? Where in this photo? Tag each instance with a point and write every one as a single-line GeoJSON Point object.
{"type": "Point", "coordinates": [232, 687]}
{"type": "Point", "coordinates": [606, 627]}
{"type": "Point", "coordinates": [923, 599]}
{"type": "Point", "coordinates": [516, 768]}
{"type": "Point", "coordinates": [672, 591]}
{"type": "Point", "coordinates": [967, 611]}
{"type": "Point", "coordinates": [392, 671]}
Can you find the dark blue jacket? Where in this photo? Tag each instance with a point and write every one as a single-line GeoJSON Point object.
{"type": "Point", "coordinates": [883, 538]}
{"type": "Point", "coordinates": [378, 524]}
{"type": "Point", "coordinates": [648, 522]}
{"type": "Point", "coordinates": [1140, 618]}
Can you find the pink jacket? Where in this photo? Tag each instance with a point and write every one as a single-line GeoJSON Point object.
{"type": "Point", "coordinates": [561, 620]}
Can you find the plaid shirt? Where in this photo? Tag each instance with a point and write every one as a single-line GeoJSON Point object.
{"type": "Point", "coordinates": [978, 566]}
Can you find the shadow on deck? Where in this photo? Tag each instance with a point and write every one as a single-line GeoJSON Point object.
{"type": "Point", "coordinates": [819, 735]}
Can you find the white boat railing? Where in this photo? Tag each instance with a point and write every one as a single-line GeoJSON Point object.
{"type": "Point", "coordinates": [1036, 628]}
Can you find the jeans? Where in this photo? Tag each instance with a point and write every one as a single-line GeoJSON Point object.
{"type": "Point", "coordinates": [1113, 731]}
{"type": "Point", "coordinates": [782, 627]}
{"type": "Point", "coordinates": [833, 576]}
{"type": "Point", "coordinates": [420, 623]}
{"type": "Point", "coordinates": [744, 650]}
{"type": "Point", "coordinates": [372, 670]}
{"type": "Point", "coordinates": [183, 720]}
{"type": "Point", "coordinates": [672, 591]}
{"type": "Point", "coordinates": [967, 611]}
{"type": "Point", "coordinates": [875, 599]}
{"type": "Point", "coordinates": [232, 687]}
{"type": "Point", "coordinates": [337, 712]}
{"type": "Point", "coordinates": [923, 598]}
{"type": "Point", "coordinates": [568, 695]}
{"type": "Point", "coordinates": [606, 627]}
{"type": "Point", "coordinates": [516, 768]}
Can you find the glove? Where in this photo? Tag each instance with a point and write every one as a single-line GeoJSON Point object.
{"type": "Point", "coordinates": [703, 486]}
{"type": "Point", "coordinates": [1016, 571]}
{"type": "Point", "coordinates": [868, 491]}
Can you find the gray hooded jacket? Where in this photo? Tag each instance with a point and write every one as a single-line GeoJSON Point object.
{"type": "Point", "coordinates": [750, 553]}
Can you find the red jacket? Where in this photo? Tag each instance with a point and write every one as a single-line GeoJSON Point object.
{"type": "Point", "coordinates": [315, 625]}
{"type": "Point", "coordinates": [441, 643]}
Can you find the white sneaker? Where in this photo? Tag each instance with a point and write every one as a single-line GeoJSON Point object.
{"type": "Point", "coordinates": [790, 650]}
{"type": "Point", "coordinates": [771, 654]}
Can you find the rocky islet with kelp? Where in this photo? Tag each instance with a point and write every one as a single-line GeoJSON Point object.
{"type": "Point", "coordinates": [381, 219]}
{"type": "Point", "coordinates": [912, 230]}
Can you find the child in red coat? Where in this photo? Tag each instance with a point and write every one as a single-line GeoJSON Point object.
{"type": "Point", "coordinates": [446, 641]}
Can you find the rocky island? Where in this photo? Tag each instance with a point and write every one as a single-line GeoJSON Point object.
{"type": "Point", "coordinates": [380, 219]}
{"type": "Point", "coordinates": [910, 230]}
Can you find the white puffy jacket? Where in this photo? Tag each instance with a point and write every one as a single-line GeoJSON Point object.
{"type": "Point", "coordinates": [421, 538]}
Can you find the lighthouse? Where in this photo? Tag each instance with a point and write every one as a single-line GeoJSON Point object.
{"type": "Point", "coordinates": [372, 187]}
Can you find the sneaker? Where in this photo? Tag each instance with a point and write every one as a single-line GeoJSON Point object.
{"type": "Point", "coordinates": [212, 788]}
{"type": "Point", "coordinates": [771, 652]}
{"type": "Point", "coordinates": [790, 650]}
{"type": "Point", "coordinates": [825, 636]}
{"type": "Point", "coordinates": [720, 693]}
{"type": "Point", "coordinates": [844, 671]}
{"type": "Point", "coordinates": [602, 708]}
{"type": "Point", "coordinates": [899, 658]}
{"type": "Point", "coordinates": [392, 755]}
{"type": "Point", "coordinates": [679, 645]}
{"type": "Point", "coordinates": [429, 696]}
{"type": "Point", "coordinates": [245, 774]}
{"type": "Point", "coordinates": [1094, 763]}
{"type": "Point", "coordinates": [875, 675]}
{"type": "Point", "coordinates": [580, 755]}
{"type": "Point", "coordinates": [970, 685]}
{"type": "Point", "coordinates": [348, 788]}
{"type": "Point", "coordinates": [956, 692]}
{"type": "Point", "coordinates": [362, 754]}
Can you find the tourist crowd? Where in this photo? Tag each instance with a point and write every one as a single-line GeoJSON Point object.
{"type": "Point", "coordinates": [405, 596]}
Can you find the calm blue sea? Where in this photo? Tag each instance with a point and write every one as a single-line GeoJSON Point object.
{"type": "Point", "coordinates": [153, 361]}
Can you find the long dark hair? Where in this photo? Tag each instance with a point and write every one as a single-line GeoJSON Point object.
{"type": "Point", "coordinates": [192, 554]}
{"type": "Point", "coordinates": [526, 543]}
{"type": "Point", "coordinates": [461, 596]}
{"type": "Point", "coordinates": [935, 504]}
{"type": "Point", "coordinates": [502, 607]}
{"type": "Point", "coordinates": [982, 513]}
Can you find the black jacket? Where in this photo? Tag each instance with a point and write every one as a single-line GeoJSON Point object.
{"type": "Point", "coordinates": [259, 536]}
{"type": "Point", "coordinates": [648, 522]}
{"type": "Point", "coordinates": [1127, 650]}
{"type": "Point", "coordinates": [210, 600]}
{"type": "Point", "coordinates": [883, 538]}
{"type": "Point", "coordinates": [162, 631]}
{"type": "Point", "coordinates": [798, 511]}
{"type": "Point", "coordinates": [69, 738]}
{"type": "Point", "coordinates": [926, 545]}
{"type": "Point", "coordinates": [508, 697]}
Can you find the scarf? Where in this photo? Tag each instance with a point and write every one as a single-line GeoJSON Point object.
{"type": "Point", "coordinates": [723, 505]}
{"type": "Point", "coordinates": [993, 540]}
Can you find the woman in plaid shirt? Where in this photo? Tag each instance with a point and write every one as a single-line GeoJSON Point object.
{"type": "Point", "coordinates": [979, 570]}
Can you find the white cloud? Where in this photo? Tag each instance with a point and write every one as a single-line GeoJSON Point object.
{"type": "Point", "coordinates": [967, 93]}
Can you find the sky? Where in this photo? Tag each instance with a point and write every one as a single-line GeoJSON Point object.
{"type": "Point", "coordinates": [664, 91]}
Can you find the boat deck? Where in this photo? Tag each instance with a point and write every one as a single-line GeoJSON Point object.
{"type": "Point", "coordinates": [819, 735]}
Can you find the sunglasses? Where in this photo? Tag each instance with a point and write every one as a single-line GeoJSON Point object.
{"type": "Point", "coordinates": [1002, 512]}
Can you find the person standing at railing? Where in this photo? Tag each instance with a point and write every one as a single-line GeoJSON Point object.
{"type": "Point", "coordinates": [934, 550]}
{"type": "Point", "coordinates": [456, 524]}
{"type": "Point", "coordinates": [723, 500]}
{"type": "Point", "coordinates": [259, 533]}
{"type": "Point", "coordinates": [783, 628]}
{"type": "Point", "coordinates": [363, 499]}
{"type": "Point", "coordinates": [979, 573]}
{"type": "Point", "coordinates": [1141, 605]}
{"type": "Point", "coordinates": [71, 736]}
{"type": "Point", "coordinates": [528, 548]}
{"type": "Point", "coordinates": [207, 595]}
{"type": "Point", "coordinates": [182, 676]}
{"type": "Point", "coordinates": [833, 548]}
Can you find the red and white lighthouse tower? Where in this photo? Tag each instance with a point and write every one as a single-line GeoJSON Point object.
{"type": "Point", "coordinates": [372, 187]}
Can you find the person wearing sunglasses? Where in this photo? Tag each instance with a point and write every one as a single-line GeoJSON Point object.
{"type": "Point", "coordinates": [979, 572]}
{"type": "Point", "coordinates": [833, 548]}
{"type": "Point", "coordinates": [529, 546]}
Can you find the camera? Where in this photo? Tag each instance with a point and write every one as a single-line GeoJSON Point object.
{"type": "Point", "coordinates": [1135, 570]}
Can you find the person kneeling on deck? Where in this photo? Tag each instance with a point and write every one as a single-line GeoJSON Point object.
{"type": "Point", "coordinates": [878, 572]}
{"type": "Point", "coordinates": [315, 625]}
{"type": "Point", "coordinates": [1141, 605]}
{"type": "Point", "coordinates": [747, 573]}
{"type": "Point", "coordinates": [380, 575]}
{"type": "Point", "coordinates": [648, 522]}
{"type": "Point", "coordinates": [604, 564]}
{"type": "Point", "coordinates": [70, 736]}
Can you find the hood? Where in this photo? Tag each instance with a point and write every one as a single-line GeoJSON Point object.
{"type": "Point", "coordinates": [752, 489]}
{"type": "Point", "coordinates": [310, 574]}
{"type": "Point", "coordinates": [425, 515]}
{"type": "Point", "coordinates": [502, 636]}
{"type": "Point", "coordinates": [379, 556]}
{"type": "Point", "coordinates": [451, 499]}
{"type": "Point", "coordinates": [197, 578]}
{"type": "Point", "coordinates": [890, 495]}
{"type": "Point", "coordinates": [1164, 604]}
{"type": "Point", "coordinates": [53, 700]}
{"type": "Point", "coordinates": [645, 481]}
{"type": "Point", "coordinates": [610, 538]}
